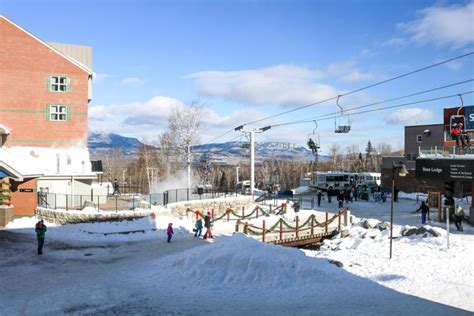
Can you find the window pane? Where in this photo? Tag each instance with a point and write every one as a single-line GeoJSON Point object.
{"type": "Point", "coordinates": [62, 88]}
{"type": "Point", "coordinates": [54, 87]}
{"type": "Point", "coordinates": [54, 117]}
{"type": "Point", "coordinates": [62, 117]}
{"type": "Point", "coordinates": [62, 80]}
{"type": "Point", "coordinates": [54, 79]}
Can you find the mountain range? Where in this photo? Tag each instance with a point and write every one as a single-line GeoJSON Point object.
{"type": "Point", "coordinates": [230, 153]}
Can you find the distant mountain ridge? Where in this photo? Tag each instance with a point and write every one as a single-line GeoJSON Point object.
{"type": "Point", "coordinates": [101, 144]}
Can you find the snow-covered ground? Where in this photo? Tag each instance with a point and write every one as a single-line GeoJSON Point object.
{"type": "Point", "coordinates": [91, 269]}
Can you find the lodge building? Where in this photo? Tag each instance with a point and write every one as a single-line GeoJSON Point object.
{"type": "Point", "coordinates": [45, 89]}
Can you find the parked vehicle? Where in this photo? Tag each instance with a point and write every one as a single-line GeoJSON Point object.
{"type": "Point", "coordinates": [332, 180]}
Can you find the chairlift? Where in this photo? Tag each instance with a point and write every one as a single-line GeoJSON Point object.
{"type": "Point", "coordinates": [314, 140]}
{"type": "Point", "coordinates": [338, 127]}
{"type": "Point", "coordinates": [457, 118]}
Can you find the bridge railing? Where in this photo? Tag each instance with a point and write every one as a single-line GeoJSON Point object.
{"type": "Point", "coordinates": [310, 224]}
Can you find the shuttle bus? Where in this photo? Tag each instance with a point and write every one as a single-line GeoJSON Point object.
{"type": "Point", "coordinates": [369, 179]}
{"type": "Point", "coordinates": [332, 180]}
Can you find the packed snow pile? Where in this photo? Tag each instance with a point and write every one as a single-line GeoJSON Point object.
{"type": "Point", "coordinates": [240, 261]}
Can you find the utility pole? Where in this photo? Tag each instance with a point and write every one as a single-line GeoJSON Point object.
{"type": "Point", "coordinates": [237, 174]}
{"type": "Point", "coordinates": [251, 133]}
{"type": "Point", "coordinates": [189, 167]}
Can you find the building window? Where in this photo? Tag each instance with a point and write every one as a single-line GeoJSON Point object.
{"type": "Point", "coordinates": [419, 138]}
{"type": "Point", "coordinates": [59, 84]}
{"type": "Point", "coordinates": [58, 112]}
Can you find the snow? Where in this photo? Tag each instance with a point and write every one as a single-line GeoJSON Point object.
{"type": "Point", "coordinates": [128, 268]}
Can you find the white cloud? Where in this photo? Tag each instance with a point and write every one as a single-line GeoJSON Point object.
{"type": "Point", "coordinates": [410, 116]}
{"type": "Point", "coordinates": [397, 42]}
{"type": "Point", "coordinates": [99, 77]}
{"type": "Point", "coordinates": [357, 76]}
{"type": "Point", "coordinates": [282, 85]}
{"type": "Point", "coordinates": [451, 25]}
{"type": "Point", "coordinates": [132, 81]}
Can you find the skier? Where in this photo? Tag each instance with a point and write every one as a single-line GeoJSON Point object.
{"type": "Point", "coordinates": [425, 210]}
{"type": "Point", "coordinates": [458, 218]}
{"type": "Point", "coordinates": [340, 199]}
{"type": "Point", "coordinates": [320, 195]}
{"type": "Point", "coordinates": [169, 231]}
{"type": "Point", "coordinates": [207, 224]}
{"type": "Point", "coordinates": [198, 228]}
{"type": "Point", "coordinates": [40, 229]}
{"type": "Point", "coordinates": [456, 134]}
{"type": "Point", "coordinates": [465, 140]}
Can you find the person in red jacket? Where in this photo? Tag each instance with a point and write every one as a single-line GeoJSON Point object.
{"type": "Point", "coordinates": [208, 225]}
{"type": "Point", "coordinates": [456, 135]}
{"type": "Point", "coordinates": [169, 231]}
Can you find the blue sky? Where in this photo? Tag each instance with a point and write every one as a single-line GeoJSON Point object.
{"type": "Point", "coordinates": [247, 60]}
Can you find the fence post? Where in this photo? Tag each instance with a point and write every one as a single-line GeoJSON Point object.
{"type": "Point", "coordinates": [98, 203]}
{"type": "Point", "coordinates": [55, 201]}
{"type": "Point", "coordinates": [281, 228]}
{"type": "Point", "coordinates": [212, 214]}
{"type": "Point", "coordinates": [176, 195]}
{"type": "Point", "coordinates": [187, 194]}
{"type": "Point", "coordinates": [256, 211]}
{"type": "Point", "coordinates": [327, 219]}
{"type": "Point", "coordinates": [312, 223]}
{"type": "Point", "coordinates": [228, 214]}
{"type": "Point", "coordinates": [348, 218]}
{"type": "Point", "coordinates": [263, 231]}
{"type": "Point", "coordinates": [243, 212]}
{"type": "Point", "coordinates": [237, 226]}
{"type": "Point", "coordinates": [297, 226]}
{"type": "Point", "coordinates": [339, 221]}
{"type": "Point", "coordinates": [246, 228]}
{"type": "Point", "coordinates": [80, 200]}
{"type": "Point", "coordinates": [116, 204]}
{"type": "Point", "coordinates": [67, 208]}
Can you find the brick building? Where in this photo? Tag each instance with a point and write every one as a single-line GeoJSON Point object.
{"type": "Point", "coordinates": [45, 89]}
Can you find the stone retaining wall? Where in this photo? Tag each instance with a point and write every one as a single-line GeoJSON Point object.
{"type": "Point", "coordinates": [74, 217]}
{"type": "Point", "coordinates": [218, 205]}
{"type": "Point", "coordinates": [6, 215]}
{"type": "Point", "coordinates": [176, 209]}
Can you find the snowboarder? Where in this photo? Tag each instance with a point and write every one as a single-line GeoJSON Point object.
{"type": "Point", "coordinates": [320, 195]}
{"type": "Point", "coordinates": [458, 218]}
{"type": "Point", "coordinates": [40, 229]}
{"type": "Point", "coordinates": [198, 228]}
{"type": "Point", "coordinates": [116, 187]}
{"type": "Point", "coordinates": [169, 231]}
{"type": "Point", "coordinates": [208, 224]}
{"type": "Point", "coordinates": [425, 210]}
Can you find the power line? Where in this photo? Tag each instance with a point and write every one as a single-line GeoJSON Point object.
{"type": "Point", "coordinates": [363, 88]}
{"type": "Point", "coordinates": [378, 102]}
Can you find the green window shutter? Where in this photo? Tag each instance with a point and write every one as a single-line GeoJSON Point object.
{"type": "Point", "coordinates": [69, 85]}
{"type": "Point", "coordinates": [68, 113]}
{"type": "Point", "coordinates": [48, 83]}
{"type": "Point", "coordinates": [48, 117]}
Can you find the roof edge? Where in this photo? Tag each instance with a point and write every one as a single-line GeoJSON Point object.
{"type": "Point", "coordinates": [70, 59]}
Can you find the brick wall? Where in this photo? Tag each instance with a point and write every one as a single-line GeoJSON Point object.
{"type": "Point", "coordinates": [25, 202]}
{"type": "Point", "coordinates": [25, 65]}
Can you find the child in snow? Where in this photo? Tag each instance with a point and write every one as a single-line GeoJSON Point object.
{"type": "Point", "coordinates": [198, 228]}
{"type": "Point", "coordinates": [424, 212]}
{"type": "Point", "coordinates": [169, 231]}
{"type": "Point", "coordinates": [40, 229]}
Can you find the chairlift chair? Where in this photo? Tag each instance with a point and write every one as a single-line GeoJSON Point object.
{"type": "Point", "coordinates": [314, 141]}
{"type": "Point", "coordinates": [338, 127]}
{"type": "Point", "coordinates": [457, 118]}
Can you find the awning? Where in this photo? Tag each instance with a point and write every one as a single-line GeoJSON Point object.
{"type": "Point", "coordinates": [8, 171]}
{"type": "Point", "coordinates": [4, 130]}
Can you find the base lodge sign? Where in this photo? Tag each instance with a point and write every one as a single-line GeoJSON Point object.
{"type": "Point", "coordinates": [445, 169]}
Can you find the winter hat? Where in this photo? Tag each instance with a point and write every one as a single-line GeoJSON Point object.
{"type": "Point", "coordinates": [170, 224]}
{"type": "Point", "coordinates": [208, 213]}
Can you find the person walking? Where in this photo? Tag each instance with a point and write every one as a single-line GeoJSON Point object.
{"type": "Point", "coordinates": [198, 228]}
{"type": "Point", "coordinates": [208, 225]}
{"type": "Point", "coordinates": [458, 218]}
{"type": "Point", "coordinates": [169, 231]}
{"type": "Point", "coordinates": [40, 229]}
{"type": "Point", "coordinates": [329, 195]}
{"type": "Point", "coordinates": [424, 212]}
{"type": "Point", "coordinates": [320, 196]}
{"type": "Point", "coordinates": [116, 187]}
{"type": "Point", "coordinates": [340, 199]}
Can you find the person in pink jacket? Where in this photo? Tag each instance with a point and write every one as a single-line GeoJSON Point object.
{"type": "Point", "coordinates": [169, 231]}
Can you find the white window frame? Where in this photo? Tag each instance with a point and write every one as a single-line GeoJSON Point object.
{"type": "Point", "coordinates": [60, 84]}
{"type": "Point", "coordinates": [58, 110]}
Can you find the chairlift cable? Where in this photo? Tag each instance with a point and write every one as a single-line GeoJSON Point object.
{"type": "Point", "coordinates": [364, 88]}
{"type": "Point", "coordinates": [375, 103]}
{"type": "Point", "coordinates": [379, 109]}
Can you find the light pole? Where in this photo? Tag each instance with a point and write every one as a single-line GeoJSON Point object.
{"type": "Point", "coordinates": [403, 172]}
{"type": "Point", "coordinates": [252, 152]}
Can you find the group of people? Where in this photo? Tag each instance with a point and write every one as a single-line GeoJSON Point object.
{"type": "Point", "coordinates": [457, 217]}
{"type": "Point", "coordinates": [207, 224]}
{"type": "Point", "coordinates": [459, 135]}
